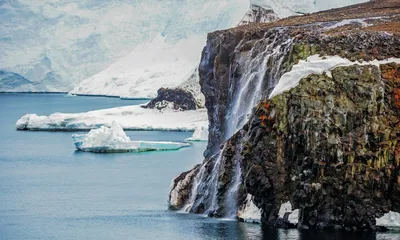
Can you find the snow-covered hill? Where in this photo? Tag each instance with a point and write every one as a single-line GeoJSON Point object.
{"type": "Point", "coordinates": [117, 47]}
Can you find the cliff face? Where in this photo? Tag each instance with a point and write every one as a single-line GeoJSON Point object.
{"type": "Point", "coordinates": [330, 147]}
{"type": "Point", "coordinates": [326, 148]}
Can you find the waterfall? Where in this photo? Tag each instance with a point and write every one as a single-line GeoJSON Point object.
{"type": "Point", "coordinates": [215, 183]}
{"type": "Point", "coordinates": [205, 187]}
{"type": "Point", "coordinates": [252, 75]}
{"type": "Point", "coordinates": [257, 78]}
{"type": "Point", "coordinates": [233, 192]}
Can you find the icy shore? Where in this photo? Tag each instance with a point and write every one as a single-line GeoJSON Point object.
{"type": "Point", "coordinates": [129, 117]}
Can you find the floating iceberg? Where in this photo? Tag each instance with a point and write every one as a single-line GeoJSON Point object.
{"type": "Point", "coordinates": [200, 134]}
{"type": "Point", "coordinates": [113, 139]}
{"type": "Point", "coordinates": [129, 117]}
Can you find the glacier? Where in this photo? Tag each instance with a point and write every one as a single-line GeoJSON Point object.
{"type": "Point", "coordinates": [129, 117]}
{"type": "Point", "coordinates": [113, 139]}
{"type": "Point", "coordinates": [119, 47]}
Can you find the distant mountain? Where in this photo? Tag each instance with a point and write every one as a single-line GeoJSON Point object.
{"type": "Point", "coordinates": [10, 82]}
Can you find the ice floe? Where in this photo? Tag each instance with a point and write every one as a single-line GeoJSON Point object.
{"type": "Point", "coordinates": [129, 117]}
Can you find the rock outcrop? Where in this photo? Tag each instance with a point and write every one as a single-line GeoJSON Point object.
{"type": "Point", "coordinates": [258, 14]}
{"type": "Point", "coordinates": [174, 98]}
{"type": "Point", "coordinates": [328, 146]}
{"type": "Point", "coordinates": [186, 96]}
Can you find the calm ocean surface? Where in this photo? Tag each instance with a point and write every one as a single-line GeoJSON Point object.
{"type": "Point", "coordinates": [50, 191]}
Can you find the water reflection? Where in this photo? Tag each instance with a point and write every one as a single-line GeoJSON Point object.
{"type": "Point", "coordinates": [206, 228]}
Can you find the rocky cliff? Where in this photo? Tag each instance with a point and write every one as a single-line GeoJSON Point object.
{"type": "Point", "coordinates": [321, 151]}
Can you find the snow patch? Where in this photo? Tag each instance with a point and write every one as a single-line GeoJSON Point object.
{"type": "Point", "coordinates": [293, 217]}
{"type": "Point", "coordinates": [129, 117]}
{"type": "Point", "coordinates": [285, 207]}
{"type": "Point", "coordinates": [389, 220]}
{"type": "Point", "coordinates": [114, 139]}
{"type": "Point", "coordinates": [249, 212]}
{"type": "Point", "coordinates": [349, 21]}
{"type": "Point", "coordinates": [317, 65]}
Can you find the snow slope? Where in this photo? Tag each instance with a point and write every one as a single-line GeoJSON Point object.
{"type": "Point", "coordinates": [129, 117]}
{"type": "Point", "coordinates": [118, 47]}
{"type": "Point", "coordinates": [162, 64]}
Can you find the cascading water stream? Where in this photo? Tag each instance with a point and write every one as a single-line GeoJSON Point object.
{"type": "Point", "coordinates": [205, 188]}
{"type": "Point", "coordinates": [232, 194]}
{"type": "Point", "coordinates": [259, 71]}
{"type": "Point", "coordinates": [257, 78]}
{"type": "Point", "coordinates": [193, 193]}
{"type": "Point", "coordinates": [214, 182]}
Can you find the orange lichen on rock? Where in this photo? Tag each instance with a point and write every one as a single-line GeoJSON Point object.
{"type": "Point", "coordinates": [396, 98]}
{"type": "Point", "coordinates": [391, 72]}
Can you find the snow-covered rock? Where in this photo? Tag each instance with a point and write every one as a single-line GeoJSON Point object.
{"type": "Point", "coordinates": [129, 117]}
{"type": "Point", "coordinates": [389, 220]}
{"type": "Point", "coordinates": [257, 14]}
{"type": "Point", "coordinates": [113, 139]}
{"type": "Point", "coordinates": [317, 65]}
{"type": "Point", "coordinates": [249, 212]}
{"type": "Point", "coordinates": [192, 85]}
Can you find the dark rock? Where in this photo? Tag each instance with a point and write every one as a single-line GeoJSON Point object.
{"type": "Point", "coordinates": [177, 99]}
